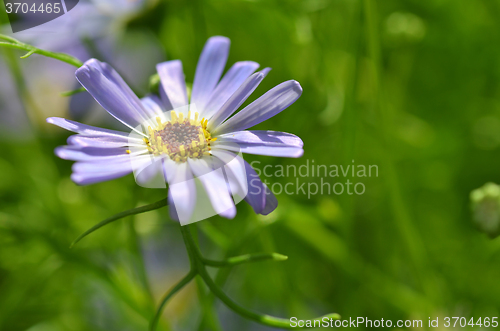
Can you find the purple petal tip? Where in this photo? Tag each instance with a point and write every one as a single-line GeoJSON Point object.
{"type": "Point", "coordinates": [299, 153]}
{"type": "Point", "coordinates": [220, 39]}
{"type": "Point", "coordinates": [297, 88]}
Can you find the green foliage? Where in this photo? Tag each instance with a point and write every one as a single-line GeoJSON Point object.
{"type": "Point", "coordinates": [409, 86]}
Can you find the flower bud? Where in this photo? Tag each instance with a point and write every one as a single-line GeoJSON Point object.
{"type": "Point", "coordinates": [486, 208]}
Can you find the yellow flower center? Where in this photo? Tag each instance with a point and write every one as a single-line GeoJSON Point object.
{"type": "Point", "coordinates": [180, 137]}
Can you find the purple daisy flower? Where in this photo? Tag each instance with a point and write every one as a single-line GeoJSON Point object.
{"type": "Point", "coordinates": [180, 140]}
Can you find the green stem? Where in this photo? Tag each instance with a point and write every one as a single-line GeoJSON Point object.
{"type": "Point", "coordinates": [156, 205]}
{"type": "Point", "coordinates": [198, 267]}
{"type": "Point", "coordinates": [12, 40]}
{"type": "Point", "coordinates": [73, 92]}
{"type": "Point", "coordinates": [244, 259]}
{"type": "Point", "coordinates": [209, 316]}
{"type": "Point", "coordinates": [220, 278]}
{"type": "Point", "coordinates": [25, 97]}
{"type": "Point", "coordinates": [257, 317]}
{"type": "Point", "coordinates": [14, 43]}
{"type": "Point", "coordinates": [183, 282]}
{"type": "Point", "coordinates": [221, 274]}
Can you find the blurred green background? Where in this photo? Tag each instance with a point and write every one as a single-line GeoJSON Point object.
{"type": "Point", "coordinates": [410, 86]}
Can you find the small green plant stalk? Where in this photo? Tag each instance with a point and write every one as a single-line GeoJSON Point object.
{"type": "Point", "coordinates": [199, 266]}
{"type": "Point", "coordinates": [14, 43]}
{"type": "Point", "coordinates": [10, 42]}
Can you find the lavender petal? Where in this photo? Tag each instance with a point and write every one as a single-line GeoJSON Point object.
{"type": "Point", "coordinates": [83, 128]}
{"type": "Point", "coordinates": [215, 185]}
{"type": "Point", "coordinates": [237, 99]}
{"type": "Point", "coordinates": [153, 106]}
{"type": "Point", "coordinates": [271, 202]}
{"type": "Point", "coordinates": [96, 177]}
{"type": "Point", "coordinates": [173, 83]}
{"type": "Point", "coordinates": [276, 150]}
{"type": "Point", "coordinates": [76, 153]}
{"type": "Point", "coordinates": [98, 141]}
{"type": "Point", "coordinates": [265, 107]}
{"type": "Point", "coordinates": [262, 138]}
{"type": "Point", "coordinates": [182, 190]}
{"type": "Point", "coordinates": [231, 81]}
{"type": "Point", "coordinates": [111, 92]}
{"type": "Point", "coordinates": [106, 165]}
{"type": "Point", "coordinates": [209, 70]}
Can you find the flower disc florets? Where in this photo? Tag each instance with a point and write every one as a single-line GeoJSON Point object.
{"type": "Point", "coordinates": [180, 137]}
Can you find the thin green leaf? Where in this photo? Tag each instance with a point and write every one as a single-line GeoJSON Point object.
{"type": "Point", "coordinates": [28, 54]}
{"type": "Point", "coordinates": [245, 258]}
{"type": "Point", "coordinates": [183, 282]}
{"type": "Point", "coordinates": [156, 205]}
{"type": "Point", "coordinates": [73, 92]}
{"type": "Point", "coordinates": [12, 40]}
{"type": "Point", "coordinates": [199, 267]}
{"type": "Point", "coordinates": [14, 43]}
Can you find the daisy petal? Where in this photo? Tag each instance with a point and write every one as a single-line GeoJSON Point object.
{"type": "Point", "coordinates": [271, 202]}
{"type": "Point", "coordinates": [173, 82]}
{"type": "Point", "coordinates": [265, 107]}
{"type": "Point", "coordinates": [76, 153]}
{"type": "Point", "coordinates": [235, 171]}
{"type": "Point", "coordinates": [237, 99]}
{"type": "Point", "coordinates": [83, 128]}
{"type": "Point", "coordinates": [85, 173]}
{"type": "Point", "coordinates": [97, 177]}
{"type": "Point", "coordinates": [256, 193]}
{"type": "Point", "coordinates": [97, 167]}
{"type": "Point", "coordinates": [256, 196]}
{"type": "Point", "coordinates": [106, 165]}
{"type": "Point", "coordinates": [231, 81]}
{"type": "Point", "coordinates": [98, 141]}
{"type": "Point", "coordinates": [167, 105]}
{"type": "Point", "coordinates": [111, 92]}
{"type": "Point", "coordinates": [182, 190]}
{"type": "Point", "coordinates": [273, 150]}
{"type": "Point", "coordinates": [153, 106]}
{"type": "Point", "coordinates": [215, 184]}
{"type": "Point", "coordinates": [255, 190]}
{"type": "Point", "coordinates": [262, 138]}
{"type": "Point", "coordinates": [151, 174]}
{"type": "Point", "coordinates": [209, 70]}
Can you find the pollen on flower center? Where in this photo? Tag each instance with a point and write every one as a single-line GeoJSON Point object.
{"type": "Point", "coordinates": [180, 137]}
